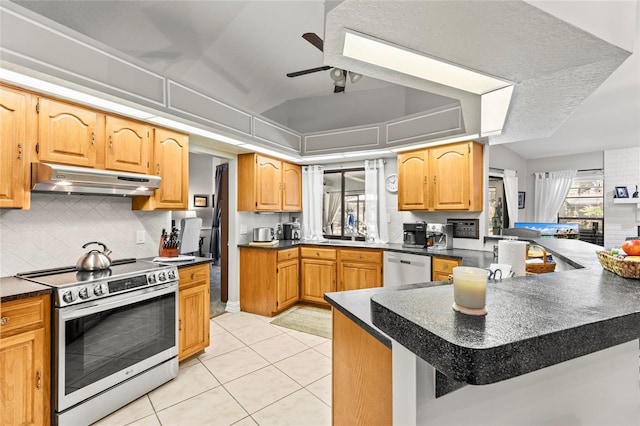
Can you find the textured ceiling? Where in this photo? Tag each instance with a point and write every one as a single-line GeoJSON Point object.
{"type": "Point", "coordinates": [240, 51]}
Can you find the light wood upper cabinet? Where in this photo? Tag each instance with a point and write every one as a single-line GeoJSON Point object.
{"type": "Point", "coordinates": [171, 163]}
{"type": "Point", "coordinates": [15, 128]}
{"type": "Point", "coordinates": [412, 180]}
{"type": "Point", "coordinates": [193, 309]}
{"type": "Point", "coordinates": [24, 362]}
{"type": "Point", "coordinates": [68, 134]}
{"type": "Point", "coordinates": [442, 178]}
{"type": "Point", "coordinates": [127, 145]}
{"type": "Point", "coordinates": [292, 187]}
{"type": "Point", "coordinates": [268, 184]}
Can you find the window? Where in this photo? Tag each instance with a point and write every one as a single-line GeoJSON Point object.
{"type": "Point", "coordinates": [584, 205]}
{"type": "Point", "coordinates": [344, 204]}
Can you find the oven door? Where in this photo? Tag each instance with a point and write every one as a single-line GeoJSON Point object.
{"type": "Point", "coordinates": [108, 341]}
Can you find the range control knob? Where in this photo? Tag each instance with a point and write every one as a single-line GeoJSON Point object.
{"type": "Point", "coordinates": [98, 290]}
{"type": "Point", "coordinates": [162, 276]}
{"type": "Point", "coordinates": [68, 296]}
{"type": "Point", "coordinates": [83, 293]}
{"type": "Point", "coordinates": [172, 274]}
{"type": "Point", "coordinates": [151, 279]}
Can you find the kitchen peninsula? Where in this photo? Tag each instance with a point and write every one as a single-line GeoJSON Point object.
{"type": "Point", "coordinates": [559, 348]}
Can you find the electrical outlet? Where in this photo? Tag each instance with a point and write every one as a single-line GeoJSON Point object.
{"type": "Point", "coordinates": [140, 237]}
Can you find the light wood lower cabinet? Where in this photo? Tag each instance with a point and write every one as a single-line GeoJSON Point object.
{"type": "Point", "coordinates": [319, 273]}
{"type": "Point", "coordinates": [193, 309]}
{"type": "Point", "coordinates": [442, 267]}
{"type": "Point", "coordinates": [24, 361]}
{"type": "Point", "coordinates": [359, 268]}
{"type": "Point", "coordinates": [269, 280]}
{"type": "Point", "coordinates": [361, 376]}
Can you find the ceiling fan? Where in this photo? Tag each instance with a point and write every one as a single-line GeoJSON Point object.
{"type": "Point", "coordinates": [339, 76]}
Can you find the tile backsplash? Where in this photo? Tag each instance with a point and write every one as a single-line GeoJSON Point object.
{"type": "Point", "coordinates": [52, 233]}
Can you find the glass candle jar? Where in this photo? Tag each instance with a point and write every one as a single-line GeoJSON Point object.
{"type": "Point", "coordinates": [469, 290]}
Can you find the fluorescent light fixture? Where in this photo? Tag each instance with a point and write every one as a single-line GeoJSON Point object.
{"type": "Point", "coordinates": [493, 110]}
{"type": "Point", "coordinates": [391, 56]}
{"type": "Point", "coordinates": [328, 157]}
{"type": "Point", "coordinates": [195, 130]}
{"type": "Point", "coordinates": [271, 152]}
{"type": "Point", "coordinates": [435, 143]}
{"type": "Point", "coordinates": [74, 95]}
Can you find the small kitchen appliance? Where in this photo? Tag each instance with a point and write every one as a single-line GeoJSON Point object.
{"type": "Point", "coordinates": [442, 234]}
{"type": "Point", "coordinates": [263, 235]}
{"type": "Point", "coordinates": [115, 335]}
{"type": "Point", "coordinates": [291, 231]}
{"type": "Point", "coordinates": [414, 235]}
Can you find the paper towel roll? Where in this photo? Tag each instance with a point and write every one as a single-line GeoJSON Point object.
{"type": "Point", "coordinates": [513, 253]}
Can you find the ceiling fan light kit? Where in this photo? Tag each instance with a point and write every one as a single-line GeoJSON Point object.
{"type": "Point", "coordinates": [339, 76]}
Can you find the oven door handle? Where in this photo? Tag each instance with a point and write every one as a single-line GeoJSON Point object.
{"type": "Point", "coordinates": [72, 312]}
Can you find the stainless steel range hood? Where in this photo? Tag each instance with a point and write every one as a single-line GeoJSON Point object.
{"type": "Point", "coordinates": [82, 180]}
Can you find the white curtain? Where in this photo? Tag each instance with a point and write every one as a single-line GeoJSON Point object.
{"type": "Point", "coordinates": [331, 205]}
{"type": "Point", "coordinates": [551, 188]}
{"type": "Point", "coordinates": [312, 177]}
{"type": "Point", "coordinates": [376, 202]}
{"type": "Point", "coordinates": [510, 181]}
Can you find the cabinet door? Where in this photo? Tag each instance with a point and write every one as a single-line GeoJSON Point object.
{"type": "Point", "coordinates": [450, 170]}
{"type": "Point", "coordinates": [23, 379]}
{"type": "Point", "coordinates": [318, 277]}
{"type": "Point", "coordinates": [292, 187]}
{"type": "Point", "coordinates": [193, 327]}
{"type": "Point", "coordinates": [287, 284]}
{"type": "Point", "coordinates": [67, 134]}
{"type": "Point", "coordinates": [268, 183]}
{"type": "Point", "coordinates": [13, 130]}
{"type": "Point", "coordinates": [127, 147]}
{"type": "Point", "coordinates": [412, 180]}
{"type": "Point", "coordinates": [354, 276]}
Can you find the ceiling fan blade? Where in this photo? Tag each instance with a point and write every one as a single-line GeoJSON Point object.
{"type": "Point", "coordinates": [309, 71]}
{"type": "Point", "coordinates": [314, 39]}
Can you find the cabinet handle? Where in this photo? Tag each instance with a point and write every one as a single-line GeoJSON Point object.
{"type": "Point", "coordinates": [111, 141]}
{"type": "Point", "coordinates": [434, 179]}
{"type": "Point", "coordinates": [38, 379]}
{"type": "Point", "coordinates": [179, 325]}
{"type": "Point", "coordinates": [425, 179]}
{"type": "Point", "coordinates": [280, 185]}
{"type": "Point", "coordinates": [193, 276]}
{"type": "Point", "coordinates": [445, 266]}
{"type": "Point", "coordinates": [158, 167]}
{"type": "Point", "coordinates": [93, 138]}
{"type": "Point", "coordinates": [19, 150]}
{"type": "Point", "coordinates": [4, 320]}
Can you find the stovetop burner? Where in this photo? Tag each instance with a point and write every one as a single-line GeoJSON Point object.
{"type": "Point", "coordinates": [73, 286]}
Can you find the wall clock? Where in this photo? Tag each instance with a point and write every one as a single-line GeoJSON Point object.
{"type": "Point", "coordinates": [391, 183]}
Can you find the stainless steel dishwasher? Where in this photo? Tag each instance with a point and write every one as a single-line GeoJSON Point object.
{"type": "Point", "coordinates": [405, 268]}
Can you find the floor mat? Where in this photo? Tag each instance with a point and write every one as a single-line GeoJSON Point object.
{"type": "Point", "coordinates": [307, 319]}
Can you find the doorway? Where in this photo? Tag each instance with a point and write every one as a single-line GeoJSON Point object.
{"type": "Point", "coordinates": [219, 247]}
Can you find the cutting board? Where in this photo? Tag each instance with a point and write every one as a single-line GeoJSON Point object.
{"type": "Point", "coordinates": [190, 234]}
{"type": "Point", "coordinates": [264, 243]}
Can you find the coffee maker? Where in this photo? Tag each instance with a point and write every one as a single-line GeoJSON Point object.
{"type": "Point", "coordinates": [442, 234]}
{"type": "Point", "coordinates": [291, 231]}
{"type": "Point", "coordinates": [414, 235]}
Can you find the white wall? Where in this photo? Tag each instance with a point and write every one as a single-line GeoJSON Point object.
{"type": "Point", "coordinates": [500, 157]}
{"type": "Point", "coordinates": [52, 233]}
{"type": "Point", "coordinates": [621, 168]}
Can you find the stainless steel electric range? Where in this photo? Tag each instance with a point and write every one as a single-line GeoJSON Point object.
{"type": "Point", "coordinates": [115, 336]}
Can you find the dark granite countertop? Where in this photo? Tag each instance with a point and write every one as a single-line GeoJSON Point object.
{"type": "Point", "coordinates": [12, 288]}
{"type": "Point", "coordinates": [477, 258]}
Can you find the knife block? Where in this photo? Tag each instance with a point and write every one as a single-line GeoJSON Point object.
{"type": "Point", "coordinates": [166, 252]}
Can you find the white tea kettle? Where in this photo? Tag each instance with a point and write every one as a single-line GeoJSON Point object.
{"type": "Point", "coordinates": [95, 260]}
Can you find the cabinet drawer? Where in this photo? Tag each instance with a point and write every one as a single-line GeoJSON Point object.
{"type": "Point", "coordinates": [373, 256]}
{"type": "Point", "coordinates": [444, 265]}
{"type": "Point", "coordinates": [23, 313]}
{"type": "Point", "coordinates": [192, 274]}
{"type": "Point", "coordinates": [318, 253]}
{"type": "Point", "coordinates": [287, 254]}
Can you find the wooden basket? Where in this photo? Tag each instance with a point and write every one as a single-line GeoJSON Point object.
{"type": "Point", "coordinates": [624, 268]}
{"type": "Point", "coordinates": [540, 268]}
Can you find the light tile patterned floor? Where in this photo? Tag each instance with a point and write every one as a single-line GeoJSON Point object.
{"type": "Point", "coordinates": [254, 373]}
